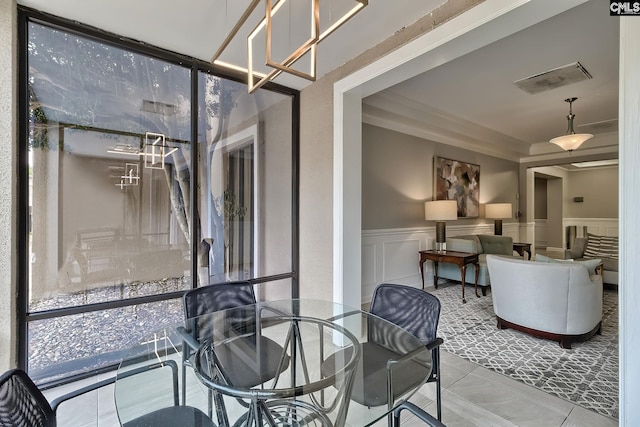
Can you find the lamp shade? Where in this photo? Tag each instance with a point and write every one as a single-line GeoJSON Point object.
{"type": "Point", "coordinates": [497, 210]}
{"type": "Point", "coordinates": [440, 210]}
{"type": "Point", "coordinates": [572, 141]}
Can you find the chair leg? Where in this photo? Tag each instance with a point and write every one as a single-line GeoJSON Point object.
{"type": "Point", "coordinates": [221, 410]}
{"type": "Point", "coordinates": [184, 373]}
{"type": "Point", "coordinates": [436, 358]}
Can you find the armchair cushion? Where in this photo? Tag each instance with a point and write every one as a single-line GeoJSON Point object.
{"type": "Point", "coordinates": [591, 264]}
{"type": "Point", "coordinates": [469, 243]}
{"type": "Point", "coordinates": [499, 245]}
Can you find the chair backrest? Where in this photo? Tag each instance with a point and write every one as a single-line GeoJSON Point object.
{"type": "Point", "coordinates": [410, 308]}
{"type": "Point", "coordinates": [22, 403]}
{"type": "Point", "coordinates": [217, 296]}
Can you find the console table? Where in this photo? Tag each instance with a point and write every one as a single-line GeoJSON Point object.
{"type": "Point", "coordinates": [521, 248]}
{"type": "Point", "coordinates": [461, 259]}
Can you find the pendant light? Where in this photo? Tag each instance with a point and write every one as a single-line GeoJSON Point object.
{"type": "Point", "coordinates": [571, 140]}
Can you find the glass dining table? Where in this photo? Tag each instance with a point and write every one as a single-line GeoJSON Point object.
{"type": "Point", "coordinates": [290, 362]}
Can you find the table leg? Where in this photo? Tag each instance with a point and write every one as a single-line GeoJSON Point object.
{"type": "Point", "coordinates": [463, 271]}
{"type": "Point", "coordinates": [477, 265]}
{"type": "Point", "coordinates": [435, 274]}
{"type": "Point", "coordinates": [422, 271]}
{"type": "Point", "coordinates": [528, 251]}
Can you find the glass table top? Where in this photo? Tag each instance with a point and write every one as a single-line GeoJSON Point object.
{"type": "Point", "coordinates": [289, 362]}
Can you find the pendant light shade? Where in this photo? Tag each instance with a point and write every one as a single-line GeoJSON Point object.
{"type": "Point", "coordinates": [571, 140]}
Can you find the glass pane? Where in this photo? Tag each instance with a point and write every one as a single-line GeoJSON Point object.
{"type": "Point", "coordinates": [274, 290]}
{"type": "Point", "coordinates": [81, 343]}
{"type": "Point", "coordinates": [109, 172]}
{"type": "Point", "coordinates": [245, 143]}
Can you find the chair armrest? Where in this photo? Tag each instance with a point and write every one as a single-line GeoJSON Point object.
{"type": "Point", "coordinates": [75, 393]}
{"type": "Point", "coordinates": [577, 250]}
{"type": "Point", "coordinates": [435, 343]}
{"type": "Point", "coordinates": [572, 254]}
{"type": "Point", "coordinates": [418, 412]}
{"type": "Point", "coordinates": [392, 362]}
{"type": "Point", "coordinates": [188, 338]}
{"type": "Point", "coordinates": [95, 386]}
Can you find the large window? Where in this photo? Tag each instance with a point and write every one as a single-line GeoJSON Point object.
{"type": "Point", "coordinates": [114, 204]}
{"type": "Point", "coordinates": [246, 199]}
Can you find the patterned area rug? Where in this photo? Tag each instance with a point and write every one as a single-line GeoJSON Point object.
{"type": "Point", "coordinates": [586, 375]}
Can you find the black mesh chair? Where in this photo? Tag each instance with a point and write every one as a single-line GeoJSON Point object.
{"type": "Point", "coordinates": [246, 373]}
{"type": "Point", "coordinates": [417, 312]}
{"type": "Point", "coordinates": [23, 404]}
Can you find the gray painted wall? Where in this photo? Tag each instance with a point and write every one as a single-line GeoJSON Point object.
{"type": "Point", "coordinates": [397, 178]}
{"type": "Point", "coordinates": [540, 198]}
{"type": "Point", "coordinates": [554, 212]}
{"type": "Point", "coordinates": [599, 187]}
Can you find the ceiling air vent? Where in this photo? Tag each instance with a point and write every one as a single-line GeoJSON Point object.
{"type": "Point", "coordinates": [552, 79]}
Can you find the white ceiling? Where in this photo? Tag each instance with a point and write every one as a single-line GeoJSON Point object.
{"type": "Point", "coordinates": [197, 27]}
{"type": "Point", "coordinates": [470, 102]}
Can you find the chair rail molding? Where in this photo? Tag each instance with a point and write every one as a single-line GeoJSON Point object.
{"type": "Point", "coordinates": [599, 226]}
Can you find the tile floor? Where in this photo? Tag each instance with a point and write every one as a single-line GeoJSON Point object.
{"type": "Point", "coordinates": [472, 396]}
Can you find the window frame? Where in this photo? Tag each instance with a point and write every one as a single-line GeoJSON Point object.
{"type": "Point", "coordinates": [25, 17]}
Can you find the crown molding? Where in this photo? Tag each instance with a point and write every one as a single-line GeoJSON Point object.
{"type": "Point", "coordinates": [395, 112]}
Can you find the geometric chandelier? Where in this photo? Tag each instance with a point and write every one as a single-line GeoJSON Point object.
{"type": "Point", "coordinates": [266, 28]}
{"type": "Point", "coordinates": [571, 140]}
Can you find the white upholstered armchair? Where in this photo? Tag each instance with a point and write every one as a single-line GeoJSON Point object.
{"type": "Point", "coordinates": [557, 301]}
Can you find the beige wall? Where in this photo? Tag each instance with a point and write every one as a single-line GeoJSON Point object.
{"type": "Point", "coordinates": [397, 178]}
{"type": "Point", "coordinates": [316, 154]}
{"type": "Point", "coordinates": [599, 187]}
{"type": "Point", "coordinates": [8, 175]}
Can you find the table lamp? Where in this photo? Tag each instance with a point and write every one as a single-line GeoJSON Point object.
{"type": "Point", "coordinates": [497, 211]}
{"type": "Point", "coordinates": [440, 211]}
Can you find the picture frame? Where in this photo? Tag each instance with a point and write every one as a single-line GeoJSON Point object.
{"type": "Point", "coordinates": [459, 181]}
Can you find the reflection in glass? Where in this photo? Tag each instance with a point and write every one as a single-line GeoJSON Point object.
{"type": "Point", "coordinates": [109, 172]}
{"type": "Point", "coordinates": [245, 144]}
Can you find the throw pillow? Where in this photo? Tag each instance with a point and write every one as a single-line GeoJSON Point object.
{"type": "Point", "coordinates": [593, 246]}
{"type": "Point", "coordinates": [601, 246]}
{"type": "Point", "coordinates": [591, 264]}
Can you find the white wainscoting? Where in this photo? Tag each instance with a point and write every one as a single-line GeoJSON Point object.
{"type": "Point", "coordinates": [391, 255]}
{"type": "Point", "coordinates": [599, 226]}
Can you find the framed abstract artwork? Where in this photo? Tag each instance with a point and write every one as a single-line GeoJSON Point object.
{"type": "Point", "coordinates": [459, 181]}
